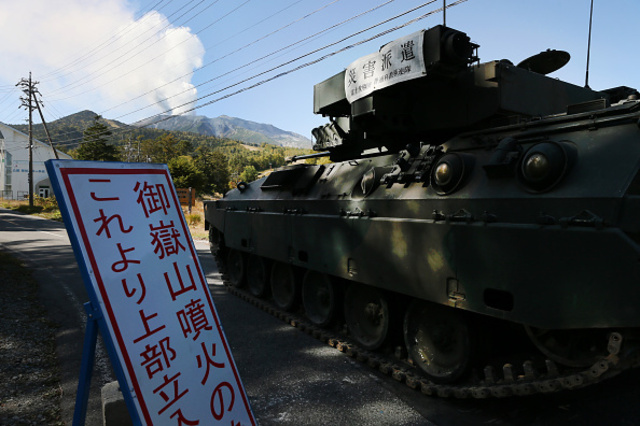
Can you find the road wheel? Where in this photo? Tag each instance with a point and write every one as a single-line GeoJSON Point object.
{"type": "Point", "coordinates": [257, 276]}
{"type": "Point", "coordinates": [235, 268]}
{"type": "Point", "coordinates": [438, 340]}
{"type": "Point", "coordinates": [319, 298]}
{"type": "Point", "coordinates": [284, 286]}
{"type": "Point", "coordinates": [573, 348]}
{"type": "Point", "coordinates": [366, 311]}
{"type": "Point", "coordinates": [215, 238]}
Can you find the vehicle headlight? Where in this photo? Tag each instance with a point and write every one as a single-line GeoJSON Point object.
{"type": "Point", "coordinates": [450, 172]}
{"type": "Point", "coordinates": [545, 164]}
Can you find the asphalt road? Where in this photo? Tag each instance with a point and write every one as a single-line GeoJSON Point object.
{"type": "Point", "coordinates": [291, 378]}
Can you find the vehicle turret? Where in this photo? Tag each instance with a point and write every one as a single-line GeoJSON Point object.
{"type": "Point", "coordinates": [428, 87]}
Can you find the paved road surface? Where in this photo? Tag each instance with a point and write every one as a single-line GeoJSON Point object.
{"type": "Point", "coordinates": [291, 378]}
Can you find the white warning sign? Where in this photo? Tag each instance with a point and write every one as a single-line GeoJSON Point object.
{"type": "Point", "coordinates": [141, 268]}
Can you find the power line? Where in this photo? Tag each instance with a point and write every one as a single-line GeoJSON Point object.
{"type": "Point", "coordinates": [262, 38]}
{"type": "Point", "coordinates": [287, 72]}
{"type": "Point", "coordinates": [279, 50]}
{"type": "Point", "coordinates": [315, 61]}
{"type": "Point", "coordinates": [290, 61]}
{"type": "Point", "coordinates": [102, 45]}
{"type": "Point", "coordinates": [233, 52]}
{"type": "Point", "coordinates": [95, 76]}
{"type": "Point", "coordinates": [133, 25]}
{"type": "Point", "coordinates": [113, 64]}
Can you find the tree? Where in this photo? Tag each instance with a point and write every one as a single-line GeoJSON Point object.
{"type": "Point", "coordinates": [185, 174]}
{"type": "Point", "coordinates": [214, 167]}
{"type": "Point", "coordinates": [94, 146]}
{"type": "Point", "coordinates": [249, 174]}
{"type": "Point", "coordinates": [164, 148]}
{"type": "Point", "coordinates": [238, 160]}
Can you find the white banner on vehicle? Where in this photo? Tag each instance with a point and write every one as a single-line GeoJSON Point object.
{"type": "Point", "coordinates": [397, 61]}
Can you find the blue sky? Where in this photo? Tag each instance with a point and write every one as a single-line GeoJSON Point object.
{"type": "Point", "coordinates": [128, 60]}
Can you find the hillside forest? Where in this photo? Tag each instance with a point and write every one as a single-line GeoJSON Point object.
{"type": "Point", "coordinates": [209, 164]}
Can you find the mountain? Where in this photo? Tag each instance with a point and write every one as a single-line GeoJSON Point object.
{"type": "Point", "coordinates": [68, 130]}
{"type": "Point", "coordinates": [228, 127]}
{"type": "Point", "coordinates": [82, 118]}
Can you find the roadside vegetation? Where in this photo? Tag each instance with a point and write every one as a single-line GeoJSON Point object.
{"type": "Point", "coordinates": [43, 207]}
{"type": "Point", "coordinates": [48, 208]}
{"type": "Point", "coordinates": [207, 163]}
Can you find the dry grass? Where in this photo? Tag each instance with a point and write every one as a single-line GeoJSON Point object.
{"type": "Point", "coordinates": [43, 207]}
{"type": "Point", "coordinates": [251, 148]}
{"type": "Point", "coordinates": [195, 220]}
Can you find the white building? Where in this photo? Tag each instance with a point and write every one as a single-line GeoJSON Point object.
{"type": "Point", "coordinates": [14, 165]}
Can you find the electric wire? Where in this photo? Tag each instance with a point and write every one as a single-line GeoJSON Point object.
{"type": "Point", "coordinates": [254, 42]}
{"type": "Point", "coordinates": [54, 100]}
{"type": "Point", "coordinates": [256, 61]}
{"type": "Point", "coordinates": [315, 61]}
{"type": "Point", "coordinates": [104, 44]}
{"type": "Point", "coordinates": [309, 37]}
{"type": "Point", "coordinates": [95, 76]}
{"type": "Point", "coordinates": [72, 141]}
{"type": "Point", "coordinates": [161, 117]}
{"type": "Point", "coordinates": [290, 61]}
{"type": "Point", "coordinates": [244, 47]}
{"type": "Point", "coordinates": [160, 34]}
{"type": "Point", "coordinates": [120, 60]}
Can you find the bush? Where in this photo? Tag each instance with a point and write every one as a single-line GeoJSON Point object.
{"type": "Point", "coordinates": [193, 219]}
{"type": "Point", "coordinates": [47, 204]}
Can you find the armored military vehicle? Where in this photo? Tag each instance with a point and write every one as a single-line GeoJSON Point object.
{"type": "Point", "coordinates": [465, 205]}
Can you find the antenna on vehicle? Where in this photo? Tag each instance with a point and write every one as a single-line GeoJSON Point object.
{"type": "Point", "coordinates": [444, 13]}
{"type": "Point", "coordinates": [586, 78]}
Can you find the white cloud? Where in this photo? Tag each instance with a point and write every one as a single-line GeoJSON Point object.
{"type": "Point", "coordinates": [93, 54]}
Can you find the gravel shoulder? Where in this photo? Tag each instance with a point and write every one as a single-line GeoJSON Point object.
{"type": "Point", "coordinates": [30, 389]}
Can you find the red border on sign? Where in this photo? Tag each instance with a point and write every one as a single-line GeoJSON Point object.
{"type": "Point", "coordinates": [65, 173]}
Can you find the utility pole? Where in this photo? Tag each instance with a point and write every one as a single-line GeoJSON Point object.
{"type": "Point", "coordinates": [28, 88]}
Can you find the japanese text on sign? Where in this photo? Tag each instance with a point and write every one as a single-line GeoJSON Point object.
{"type": "Point", "coordinates": [149, 284]}
{"type": "Point", "coordinates": [398, 61]}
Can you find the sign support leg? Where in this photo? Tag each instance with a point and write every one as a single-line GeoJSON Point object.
{"type": "Point", "coordinates": [86, 368]}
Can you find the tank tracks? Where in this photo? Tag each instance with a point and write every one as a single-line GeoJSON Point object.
{"type": "Point", "coordinates": [511, 381]}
